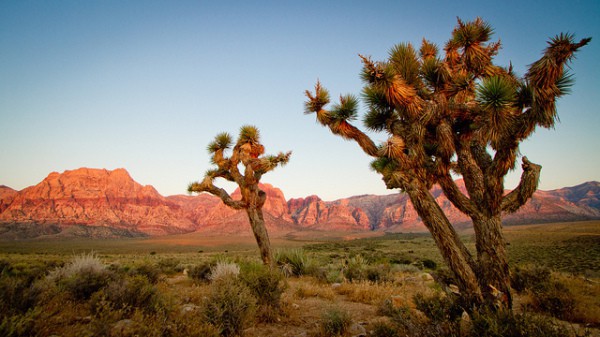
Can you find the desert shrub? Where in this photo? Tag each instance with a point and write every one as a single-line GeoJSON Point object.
{"type": "Point", "coordinates": [406, 323]}
{"type": "Point", "coordinates": [383, 329]}
{"type": "Point", "coordinates": [201, 273]}
{"type": "Point", "coordinates": [149, 271]}
{"type": "Point", "coordinates": [444, 276]}
{"type": "Point", "coordinates": [548, 294]}
{"type": "Point", "coordinates": [20, 324]}
{"type": "Point", "coordinates": [127, 294]}
{"type": "Point", "coordinates": [531, 277]}
{"type": "Point", "coordinates": [429, 264]}
{"type": "Point", "coordinates": [401, 318]}
{"type": "Point", "coordinates": [229, 306]}
{"type": "Point", "coordinates": [328, 274]}
{"type": "Point", "coordinates": [82, 277]}
{"type": "Point", "coordinates": [379, 273]}
{"type": "Point", "coordinates": [169, 266]}
{"type": "Point", "coordinates": [438, 308]}
{"type": "Point", "coordinates": [335, 322]}
{"type": "Point", "coordinates": [293, 262]}
{"type": "Point", "coordinates": [554, 299]}
{"type": "Point", "coordinates": [356, 268]}
{"type": "Point", "coordinates": [224, 270]}
{"type": "Point", "coordinates": [5, 267]}
{"type": "Point", "coordinates": [267, 286]}
{"type": "Point", "coordinates": [509, 324]}
{"type": "Point", "coordinates": [18, 295]}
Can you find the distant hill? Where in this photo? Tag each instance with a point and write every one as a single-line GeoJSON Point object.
{"type": "Point", "coordinates": [102, 203]}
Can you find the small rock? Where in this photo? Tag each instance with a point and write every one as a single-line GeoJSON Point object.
{"type": "Point", "coordinates": [335, 285]}
{"type": "Point", "coordinates": [357, 330]}
{"type": "Point", "coordinates": [124, 327]}
{"type": "Point", "coordinates": [295, 306]}
{"type": "Point", "coordinates": [186, 308]}
{"type": "Point", "coordinates": [426, 277]}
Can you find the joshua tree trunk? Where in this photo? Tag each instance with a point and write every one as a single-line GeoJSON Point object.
{"type": "Point", "coordinates": [454, 252]}
{"type": "Point", "coordinates": [257, 222]}
{"type": "Point", "coordinates": [492, 269]}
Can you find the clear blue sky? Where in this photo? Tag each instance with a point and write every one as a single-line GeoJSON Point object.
{"type": "Point", "coordinates": [145, 85]}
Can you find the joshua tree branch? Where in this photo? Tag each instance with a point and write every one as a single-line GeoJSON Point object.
{"type": "Point", "coordinates": [528, 185]}
{"type": "Point", "coordinates": [458, 199]}
{"type": "Point", "coordinates": [207, 186]}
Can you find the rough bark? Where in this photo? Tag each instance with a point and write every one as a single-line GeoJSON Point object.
{"type": "Point", "coordinates": [492, 262]}
{"type": "Point", "coordinates": [454, 252]}
{"type": "Point", "coordinates": [257, 222]}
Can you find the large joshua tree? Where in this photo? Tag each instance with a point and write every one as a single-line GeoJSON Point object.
{"type": "Point", "coordinates": [248, 153]}
{"type": "Point", "coordinates": [460, 114]}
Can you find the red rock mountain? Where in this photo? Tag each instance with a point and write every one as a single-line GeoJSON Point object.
{"type": "Point", "coordinates": [95, 198]}
{"type": "Point", "coordinates": [97, 202]}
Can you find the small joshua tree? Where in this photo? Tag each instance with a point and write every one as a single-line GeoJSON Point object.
{"type": "Point", "coordinates": [456, 113]}
{"type": "Point", "coordinates": [249, 152]}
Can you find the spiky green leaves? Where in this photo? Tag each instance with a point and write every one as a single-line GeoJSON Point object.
{"type": "Point", "coordinates": [222, 142]}
{"type": "Point", "coordinates": [403, 58]}
{"type": "Point", "coordinates": [270, 162]}
{"type": "Point", "coordinates": [346, 109]}
{"type": "Point", "coordinates": [495, 94]}
{"type": "Point", "coordinates": [496, 97]}
{"type": "Point", "coordinates": [249, 134]}
{"type": "Point", "coordinates": [469, 33]}
{"type": "Point", "coordinates": [316, 101]}
{"type": "Point", "coordinates": [434, 73]}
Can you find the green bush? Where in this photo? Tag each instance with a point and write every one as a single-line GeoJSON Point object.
{"type": "Point", "coordinates": [17, 295]}
{"type": "Point", "coordinates": [20, 324]}
{"type": "Point", "coordinates": [335, 322]}
{"type": "Point", "coordinates": [554, 299]}
{"type": "Point", "coordinates": [438, 308]}
{"type": "Point", "coordinates": [129, 293]}
{"type": "Point", "coordinates": [532, 278]}
{"type": "Point", "coordinates": [169, 266]}
{"type": "Point", "coordinates": [383, 329]}
{"type": "Point", "coordinates": [356, 268]}
{"type": "Point", "coordinates": [267, 286]}
{"type": "Point", "coordinates": [149, 271]}
{"type": "Point", "coordinates": [229, 306]}
{"type": "Point", "coordinates": [547, 293]}
{"type": "Point", "coordinates": [201, 273]}
{"type": "Point", "coordinates": [379, 273]}
{"type": "Point", "coordinates": [293, 262]}
{"type": "Point", "coordinates": [508, 324]}
{"type": "Point", "coordinates": [429, 264]}
{"type": "Point", "coordinates": [81, 277]}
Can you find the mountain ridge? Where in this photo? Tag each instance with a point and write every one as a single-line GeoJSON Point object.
{"type": "Point", "coordinates": [109, 203]}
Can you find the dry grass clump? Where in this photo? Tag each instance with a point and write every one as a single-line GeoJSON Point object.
{"type": "Point", "coordinates": [334, 322]}
{"type": "Point", "coordinates": [224, 270]}
{"type": "Point", "coordinates": [367, 292]}
{"type": "Point", "coordinates": [81, 277]}
{"type": "Point", "coordinates": [310, 288]}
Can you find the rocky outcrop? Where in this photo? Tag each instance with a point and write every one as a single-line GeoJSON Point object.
{"type": "Point", "coordinates": [100, 198]}
{"type": "Point", "coordinates": [7, 195]}
{"type": "Point", "coordinates": [103, 203]}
